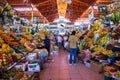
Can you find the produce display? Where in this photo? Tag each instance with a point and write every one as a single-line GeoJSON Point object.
{"type": "Point", "coordinates": [14, 48]}
{"type": "Point", "coordinates": [110, 69]}
{"type": "Point", "coordinates": [117, 63]}
{"type": "Point", "coordinates": [103, 42]}
{"type": "Point", "coordinates": [115, 17]}
{"type": "Point", "coordinates": [8, 39]}
{"type": "Point", "coordinates": [107, 74]}
{"type": "Point", "coordinates": [117, 75]}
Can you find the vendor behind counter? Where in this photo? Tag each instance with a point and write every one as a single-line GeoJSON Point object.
{"type": "Point", "coordinates": [113, 48]}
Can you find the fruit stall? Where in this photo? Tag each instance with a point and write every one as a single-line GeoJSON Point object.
{"type": "Point", "coordinates": [103, 42]}
{"type": "Point", "coordinates": [22, 52]}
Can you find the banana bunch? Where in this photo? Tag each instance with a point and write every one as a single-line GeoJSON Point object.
{"type": "Point", "coordinates": [98, 50]}
{"type": "Point", "coordinates": [96, 53]}
{"type": "Point", "coordinates": [78, 35]}
{"type": "Point", "coordinates": [17, 55]}
{"type": "Point", "coordinates": [1, 41]}
{"type": "Point", "coordinates": [117, 74]}
{"type": "Point", "coordinates": [96, 27]}
{"type": "Point", "coordinates": [10, 13]}
{"type": "Point", "coordinates": [96, 47]}
{"type": "Point", "coordinates": [108, 53]}
{"type": "Point", "coordinates": [7, 7]}
{"type": "Point", "coordinates": [107, 74]}
{"type": "Point", "coordinates": [1, 9]}
{"type": "Point", "coordinates": [42, 35]}
{"type": "Point", "coordinates": [6, 48]}
{"type": "Point", "coordinates": [27, 36]}
{"type": "Point", "coordinates": [102, 49]}
{"type": "Point", "coordinates": [104, 39]}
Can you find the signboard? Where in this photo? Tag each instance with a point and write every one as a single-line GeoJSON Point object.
{"type": "Point", "coordinates": [35, 19]}
{"type": "Point", "coordinates": [61, 28]}
{"type": "Point", "coordinates": [102, 9]}
{"type": "Point", "coordinates": [62, 6]}
{"type": "Point", "coordinates": [91, 15]}
{"type": "Point", "coordinates": [34, 67]}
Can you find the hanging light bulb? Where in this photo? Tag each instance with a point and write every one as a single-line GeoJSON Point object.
{"type": "Point", "coordinates": [69, 1]}
{"type": "Point", "coordinates": [62, 0]}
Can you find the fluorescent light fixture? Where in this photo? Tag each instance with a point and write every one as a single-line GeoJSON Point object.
{"type": "Point", "coordinates": [69, 1]}
{"type": "Point", "coordinates": [76, 23]}
{"type": "Point", "coordinates": [26, 9]}
{"type": "Point", "coordinates": [61, 18]}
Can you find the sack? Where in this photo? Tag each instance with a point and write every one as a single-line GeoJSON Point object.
{"type": "Point", "coordinates": [96, 67]}
{"type": "Point", "coordinates": [68, 47]}
{"type": "Point", "coordinates": [65, 44]}
{"type": "Point", "coordinates": [81, 56]}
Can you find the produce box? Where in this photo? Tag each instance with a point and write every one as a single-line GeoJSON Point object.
{"type": "Point", "coordinates": [34, 67]}
{"type": "Point", "coordinates": [97, 67]}
{"type": "Point", "coordinates": [24, 76]}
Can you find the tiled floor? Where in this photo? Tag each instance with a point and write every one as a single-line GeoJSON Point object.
{"type": "Point", "coordinates": [61, 70]}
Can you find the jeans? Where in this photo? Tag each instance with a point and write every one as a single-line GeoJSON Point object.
{"type": "Point", "coordinates": [73, 51]}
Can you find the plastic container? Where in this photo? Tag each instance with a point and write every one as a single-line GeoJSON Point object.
{"type": "Point", "coordinates": [87, 64]}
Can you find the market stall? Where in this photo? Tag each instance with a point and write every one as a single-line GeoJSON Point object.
{"type": "Point", "coordinates": [22, 53]}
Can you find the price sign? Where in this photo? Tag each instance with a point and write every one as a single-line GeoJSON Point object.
{"type": "Point", "coordinates": [91, 15]}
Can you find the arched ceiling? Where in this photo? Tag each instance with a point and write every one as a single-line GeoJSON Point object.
{"type": "Point", "coordinates": [96, 12]}
{"type": "Point", "coordinates": [77, 7]}
{"type": "Point", "coordinates": [47, 9]}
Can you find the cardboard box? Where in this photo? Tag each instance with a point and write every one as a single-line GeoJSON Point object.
{"type": "Point", "coordinates": [96, 67]}
{"type": "Point", "coordinates": [35, 67]}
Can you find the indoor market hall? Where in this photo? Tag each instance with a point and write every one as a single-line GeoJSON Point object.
{"type": "Point", "coordinates": [59, 39]}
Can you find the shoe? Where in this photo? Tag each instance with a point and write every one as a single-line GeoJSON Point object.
{"type": "Point", "coordinates": [75, 64]}
{"type": "Point", "coordinates": [70, 64]}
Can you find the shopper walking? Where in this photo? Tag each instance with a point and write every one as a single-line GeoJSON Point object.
{"type": "Point", "coordinates": [73, 46]}
{"type": "Point", "coordinates": [59, 40]}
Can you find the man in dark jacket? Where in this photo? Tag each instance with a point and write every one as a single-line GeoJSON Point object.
{"type": "Point", "coordinates": [47, 44]}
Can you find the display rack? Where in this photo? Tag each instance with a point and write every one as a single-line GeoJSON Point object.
{"type": "Point", "coordinates": [16, 63]}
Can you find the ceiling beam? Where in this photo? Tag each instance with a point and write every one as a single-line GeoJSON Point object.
{"type": "Point", "coordinates": [15, 2]}
{"type": "Point", "coordinates": [20, 6]}
{"type": "Point", "coordinates": [47, 8]}
{"type": "Point", "coordinates": [78, 1]}
{"type": "Point", "coordinates": [41, 3]}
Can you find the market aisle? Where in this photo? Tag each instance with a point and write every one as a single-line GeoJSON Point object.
{"type": "Point", "coordinates": [61, 70]}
